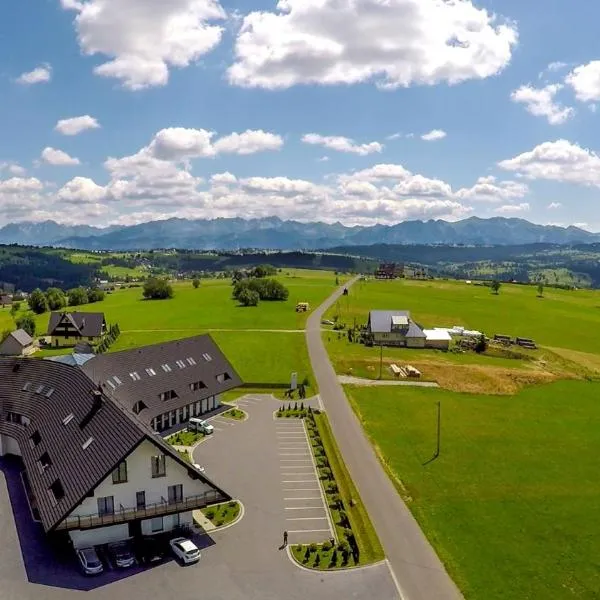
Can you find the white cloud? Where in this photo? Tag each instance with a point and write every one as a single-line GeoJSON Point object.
{"type": "Point", "coordinates": [52, 156]}
{"type": "Point", "coordinates": [554, 205]}
{"type": "Point", "coordinates": [81, 190]}
{"type": "Point", "coordinates": [557, 161]}
{"type": "Point", "coordinates": [341, 144]}
{"type": "Point", "coordinates": [540, 102]}
{"type": "Point", "coordinates": [489, 189]}
{"type": "Point", "coordinates": [399, 135]}
{"type": "Point", "coordinates": [434, 135]}
{"type": "Point", "coordinates": [145, 38]}
{"type": "Point", "coordinates": [585, 81]}
{"type": "Point", "coordinates": [223, 178]}
{"type": "Point", "coordinates": [395, 44]}
{"type": "Point", "coordinates": [323, 158]}
{"type": "Point", "coordinates": [509, 209]}
{"type": "Point", "coordinates": [17, 185]}
{"type": "Point", "coordinates": [41, 74]}
{"type": "Point", "coordinates": [248, 142]}
{"type": "Point", "coordinates": [13, 168]}
{"type": "Point", "coordinates": [277, 185]}
{"type": "Point", "coordinates": [76, 125]}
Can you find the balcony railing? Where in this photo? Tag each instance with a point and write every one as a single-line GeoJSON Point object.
{"type": "Point", "coordinates": [159, 509]}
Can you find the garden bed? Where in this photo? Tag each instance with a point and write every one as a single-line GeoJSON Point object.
{"type": "Point", "coordinates": [324, 556]}
{"type": "Point", "coordinates": [184, 438]}
{"type": "Point", "coordinates": [235, 413]}
{"type": "Point", "coordinates": [297, 411]}
{"type": "Point", "coordinates": [223, 514]}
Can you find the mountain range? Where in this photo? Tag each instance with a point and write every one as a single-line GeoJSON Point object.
{"type": "Point", "coordinates": [277, 234]}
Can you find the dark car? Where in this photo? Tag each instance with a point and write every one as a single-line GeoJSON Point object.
{"type": "Point", "coordinates": [121, 555]}
{"type": "Point", "coordinates": [151, 550]}
{"type": "Point", "coordinates": [89, 562]}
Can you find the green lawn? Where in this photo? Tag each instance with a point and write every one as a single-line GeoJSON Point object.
{"type": "Point", "coordinates": [512, 504]}
{"type": "Point", "coordinates": [561, 318]}
{"type": "Point", "coordinates": [222, 514]}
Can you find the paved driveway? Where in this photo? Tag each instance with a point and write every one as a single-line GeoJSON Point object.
{"type": "Point", "coordinates": [243, 562]}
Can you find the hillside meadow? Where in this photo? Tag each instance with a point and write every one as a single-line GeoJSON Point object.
{"type": "Point", "coordinates": [512, 504]}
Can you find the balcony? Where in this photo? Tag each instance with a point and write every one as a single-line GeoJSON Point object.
{"type": "Point", "coordinates": [160, 509]}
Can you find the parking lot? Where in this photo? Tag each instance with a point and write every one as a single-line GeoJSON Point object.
{"type": "Point", "coordinates": [250, 460]}
{"type": "Point", "coordinates": [306, 515]}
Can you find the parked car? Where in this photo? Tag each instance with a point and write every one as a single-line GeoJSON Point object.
{"type": "Point", "coordinates": [327, 322]}
{"type": "Point", "coordinates": [150, 550]}
{"type": "Point", "coordinates": [200, 426]}
{"type": "Point", "coordinates": [185, 550]}
{"type": "Point", "coordinates": [89, 561]}
{"type": "Point", "coordinates": [121, 554]}
{"type": "Point", "coordinates": [199, 467]}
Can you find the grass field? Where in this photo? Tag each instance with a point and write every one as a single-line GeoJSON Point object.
{"type": "Point", "coordinates": [512, 504]}
{"type": "Point", "coordinates": [561, 318]}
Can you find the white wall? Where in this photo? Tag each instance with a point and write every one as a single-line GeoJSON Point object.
{"type": "Point", "coordinates": [101, 535]}
{"type": "Point", "coordinates": [9, 445]}
{"type": "Point", "coordinates": [139, 477]}
{"type": "Point", "coordinates": [168, 522]}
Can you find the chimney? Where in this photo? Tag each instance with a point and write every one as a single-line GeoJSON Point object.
{"type": "Point", "coordinates": [95, 408]}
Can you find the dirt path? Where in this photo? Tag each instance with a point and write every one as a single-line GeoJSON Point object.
{"type": "Point", "coordinates": [348, 379]}
{"type": "Point", "coordinates": [195, 331]}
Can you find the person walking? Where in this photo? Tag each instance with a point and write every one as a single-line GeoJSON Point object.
{"type": "Point", "coordinates": [285, 538]}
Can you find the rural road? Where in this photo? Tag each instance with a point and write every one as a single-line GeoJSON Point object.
{"type": "Point", "coordinates": [419, 572]}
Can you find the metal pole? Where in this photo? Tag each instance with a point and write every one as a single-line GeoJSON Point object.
{"type": "Point", "coordinates": [439, 423]}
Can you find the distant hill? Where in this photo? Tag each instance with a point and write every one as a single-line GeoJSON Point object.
{"type": "Point", "coordinates": [277, 234]}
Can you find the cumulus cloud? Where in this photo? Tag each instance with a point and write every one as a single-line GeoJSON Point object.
{"type": "Point", "coordinates": [82, 190]}
{"type": "Point", "coordinates": [511, 209]}
{"type": "Point", "coordinates": [540, 102]}
{"type": "Point", "coordinates": [341, 144]}
{"type": "Point", "coordinates": [489, 189]}
{"type": "Point", "coordinates": [52, 156]}
{"type": "Point", "coordinates": [223, 178]}
{"type": "Point", "coordinates": [434, 135]}
{"type": "Point", "coordinates": [557, 161]}
{"type": "Point", "coordinates": [248, 142]}
{"type": "Point", "coordinates": [76, 125]}
{"type": "Point", "coordinates": [554, 205]}
{"type": "Point", "coordinates": [585, 81]}
{"type": "Point", "coordinates": [13, 168]}
{"type": "Point", "coordinates": [395, 44]}
{"type": "Point", "coordinates": [41, 74]}
{"type": "Point", "coordinates": [143, 39]}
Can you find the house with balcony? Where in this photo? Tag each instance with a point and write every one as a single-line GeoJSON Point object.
{"type": "Point", "coordinates": [93, 465]}
{"type": "Point", "coordinates": [70, 328]}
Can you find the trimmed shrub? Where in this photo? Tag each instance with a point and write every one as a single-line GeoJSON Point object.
{"type": "Point", "coordinates": [312, 547]}
{"type": "Point", "coordinates": [326, 547]}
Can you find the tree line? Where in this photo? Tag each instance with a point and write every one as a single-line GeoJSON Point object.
{"type": "Point", "coordinates": [55, 299]}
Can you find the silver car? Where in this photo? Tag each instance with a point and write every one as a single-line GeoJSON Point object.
{"type": "Point", "coordinates": [89, 561]}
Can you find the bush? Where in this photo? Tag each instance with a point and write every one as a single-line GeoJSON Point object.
{"type": "Point", "coordinates": [326, 546]}
{"type": "Point", "coordinates": [219, 522]}
{"type": "Point", "coordinates": [333, 561]}
{"type": "Point", "coordinates": [317, 560]}
{"type": "Point", "coordinates": [156, 288]}
{"type": "Point", "coordinates": [27, 323]}
{"type": "Point", "coordinates": [77, 296]}
{"type": "Point", "coordinates": [37, 302]}
{"type": "Point", "coordinates": [312, 547]}
{"type": "Point", "coordinates": [248, 297]}
{"type": "Point", "coordinates": [210, 514]}
{"type": "Point", "coordinates": [267, 289]}
{"type": "Point", "coordinates": [232, 504]}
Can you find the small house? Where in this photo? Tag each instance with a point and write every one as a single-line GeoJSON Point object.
{"type": "Point", "coordinates": [394, 328]}
{"type": "Point", "coordinates": [437, 338]}
{"type": "Point", "coordinates": [389, 271]}
{"type": "Point", "coordinates": [17, 343]}
{"type": "Point", "coordinates": [69, 328]}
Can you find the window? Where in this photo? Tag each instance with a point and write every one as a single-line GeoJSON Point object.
{"type": "Point", "coordinates": [166, 368]}
{"type": "Point", "coordinates": [39, 389]}
{"type": "Point", "coordinates": [221, 377]}
{"type": "Point", "coordinates": [207, 357]}
{"type": "Point", "coordinates": [57, 492]}
{"type": "Point", "coordinates": [117, 380]}
{"type": "Point", "coordinates": [168, 395]}
{"type": "Point", "coordinates": [27, 386]}
{"type": "Point", "coordinates": [156, 524]}
{"type": "Point", "coordinates": [112, 385]}
{"type": "Point", "coordinates": [190, 360]}
{"type": "Point", "coordinates": [49, 392]}
{"type": "Point", "coordinates": [151, 372]}
{"type": "Point", "coordinates": [68, 418]}
{"type": "Point", "coordinates": [44, 462]}
{"type": "Point", "coordinates": [13, 417]}
{"type": "Point", "coordinates": [106, 505]}
{"type": "Point", "coordinates": [134, 375]}
{"type": "Point", "coordinates": [119, 475]}
{"type": "Point", "coordinates": [175, 493]}
{"type": "Point", "coordinates": [35, 439]}
{"type": "Point", "coordinates": [140, 500]}
{"type": "Point", "coordinates": [197, 385]}
{"type": "Point", "coordinates": [138, 407]}
{"type": "Point", "coordinates": [87, 443]}
{"type": "Point", "coordinates": [158, 466]}
{"type": "Point", "coordinates": [180, 364]}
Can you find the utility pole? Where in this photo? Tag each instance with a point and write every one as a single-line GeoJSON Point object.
{"type": "Point", "coordinates": [439, 428]}
{"type": "Point", "coordinates": [380, 359]}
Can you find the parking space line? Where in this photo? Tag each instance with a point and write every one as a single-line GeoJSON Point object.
{"type": "Point", "coordinates": [304, 508]}
{"type": "Point", "coordinates": [294, 466]}
{"type": "Point", "coordinates": [306, 519]}
{"type": "Point", "coordinates": [305, 498]}
{"type": "Point", "coordinates": [306, 530]}
{"type": "Point", "coordinates": [223, 422]}
{"type": "Point", "coordinates": [294, 460]}
{"type": "Point", "coordinates": [301, 490]}
{"type": "Point", "coordinates": [293, 454]}
{"type": "Point", "coordinates": [298, 481]}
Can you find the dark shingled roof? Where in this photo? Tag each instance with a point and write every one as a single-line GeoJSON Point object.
{"type": "Point", "coordinates": [89, 324]}
{"type": "Point", "coordinates": [103, 368]}
{"type": "Point", "coordinates": [47, 393]}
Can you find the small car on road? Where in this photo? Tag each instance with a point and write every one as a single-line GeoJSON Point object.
{"type": "Point", "coordinates": [89, 561]}
{"type": "Point", "coordinates": [200, 426]}
{"type": "Point", "coordinates": [185, 550]}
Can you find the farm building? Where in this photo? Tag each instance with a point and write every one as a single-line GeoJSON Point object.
{"type": "Point", "coordinates": [437, 338]}
{"type": "Point", "coordinates": [389, 271]}
{"type": "Point", "coordinates": [394, 328]}
{"type": "Point", "coordinates": [17, 343]}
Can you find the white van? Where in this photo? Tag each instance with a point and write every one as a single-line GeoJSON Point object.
{"type": "Point", "coordinates": [200, 426]}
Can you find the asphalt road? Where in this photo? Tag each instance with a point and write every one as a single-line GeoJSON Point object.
{"type": "Point", "coordinates": [417, 568]}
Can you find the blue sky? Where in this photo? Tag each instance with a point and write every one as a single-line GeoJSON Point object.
{"type": "Point", "coordinates": [310, 109]}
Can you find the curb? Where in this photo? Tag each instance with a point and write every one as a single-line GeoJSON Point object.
{"type": "Point", "coordinates": [244, 418]}
{"type": "Point", "coordinates": [341, 570]}
{"type": "Point", "coordinates": [238, 519]}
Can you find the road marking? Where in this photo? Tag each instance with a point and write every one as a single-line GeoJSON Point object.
{"type": "Point", "coordinates": [306, 530]}
{"type": "Point", "coordinates": [293, 454]}
{"type": "Point", "coordinates": [292, 474]}
{"type": "Point", "coordinates": [298, 481]}
{"type": "Point", "coordinates": [222, 421]}
{"type": "Point", "coordinates": [307, 519]}
{"type": "Point", "coordinates": [295, 466]}
{"type": "Point", "coordinates": [301, 490]}
{"type": "Point", "coordinates": [304, 498]}
{"type": "Point", "coordinates": [293, 460]}
{"type": "Point", "coordinates": [304, 508]}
